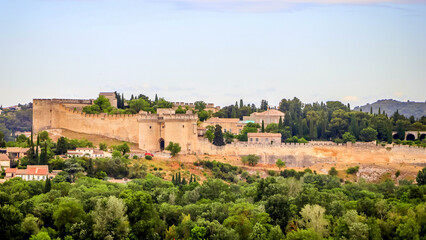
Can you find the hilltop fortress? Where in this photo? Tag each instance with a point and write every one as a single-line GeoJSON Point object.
{"type": "Point", "coordinates": [151, 131]}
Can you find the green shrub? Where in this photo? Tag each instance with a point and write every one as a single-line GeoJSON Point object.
{"type": "Point", "coordinates": [148, 157]}
{"type": "Point", "coordinates": [352, 170]}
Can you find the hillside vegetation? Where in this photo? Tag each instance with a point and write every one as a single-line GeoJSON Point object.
{"type": "Point", "coordinates": [408, 109]}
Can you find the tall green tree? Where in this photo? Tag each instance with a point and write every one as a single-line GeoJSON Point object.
{"type": "Point", "coordinates": [218, 136]}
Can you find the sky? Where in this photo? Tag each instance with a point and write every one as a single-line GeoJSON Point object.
{"type": "Point", "coordinates": [218, 51]}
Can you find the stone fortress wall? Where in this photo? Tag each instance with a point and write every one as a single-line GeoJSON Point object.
{"type": "Point", "coordinates": [305, 155]}
{"type": "Point", "coordinates": [150, 131]}
{"type": "Point", "coordinates": [66, 114]}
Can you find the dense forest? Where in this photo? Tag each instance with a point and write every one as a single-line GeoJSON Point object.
{"type": "Point", "coordinates": [232, 204]}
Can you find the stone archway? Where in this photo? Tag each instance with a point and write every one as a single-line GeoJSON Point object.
{"type": "Point", "coordinates": [162, 144]}
{"type": "Point", "coordinates": [422, 136]}
{"type": "Point", "coordinates": [410, 137]}
{"type": "Point", "coordinates": [395, 136]}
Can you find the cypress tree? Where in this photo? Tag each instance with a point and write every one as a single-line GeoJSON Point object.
{"type": "Point", "coordinates": [280, 124]}
{"type": "Point", "coordinates": [263, 126]}
{"type": "Point", "coordinates": [379, 111]}
{"type": "Point", "coordinates": [241, 103]}
{"type": "Point", "coordinates": [190, 180]}
{"type": "Point", "coordinates": [43, 155]}
{"type": "Point", "coordinates": [179, 180]}
{"type": "Point", "coordinates": [90, 169]}
{"type": "Point", "coordinates": [122, 101]}
{"type": "Point", "coordinates": [32, 151]}
{"type": "Point", "coordinates": [156, 98]}
{"type": "Point", "coordinates": [218, 136]}
{"type": "Point", "coordinates": [184, 181]}
{"type": "Point", "coordinates": [371, 110]}
{"type": "Point", "coordinates": [173, 180]}
{"type": "Point", "coordinates": [36, 159]}
{"type": "Point", "coordinates": [353, 129]}
{"type": "Point", "coordinates": [47, 185]}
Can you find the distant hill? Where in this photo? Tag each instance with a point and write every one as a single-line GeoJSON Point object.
{"type": "Point", "coordinates": [408, 109]}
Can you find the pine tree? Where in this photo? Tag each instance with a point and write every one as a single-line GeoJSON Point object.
{"type": "Point", "coordinates": [47, 185]}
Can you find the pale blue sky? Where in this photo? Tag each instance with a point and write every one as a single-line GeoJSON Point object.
{"type": "Point", "coordinates": [213, 50]}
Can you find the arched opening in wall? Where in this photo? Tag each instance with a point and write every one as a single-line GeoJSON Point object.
{"type": "Point", "coordinates": [395, 136]}
{"type": "Point", "coordinates": [161, 144]}
{"type": "Point", "coordinates": [422, 136]}
{"type": "Point", "coordinates": [410, 137]}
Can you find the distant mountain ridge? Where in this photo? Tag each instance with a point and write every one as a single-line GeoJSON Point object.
{"type": "Point", "coordinates": [408, 109]}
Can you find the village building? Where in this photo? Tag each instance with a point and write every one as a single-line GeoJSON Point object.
{"type": "Point", "coordinates": [88, 152]}
{"type": "Point", "coordinates": [264, 138]}
{"type": "Point", "coordinates": [209, 106]}
{"type": "Point", "coordinates": [32, 173]}
{"type": "Point", "coordinates": [111, 97]}
{"type": "Point", "coordinates": [17, 152]}
{"type": "Point", "coordinates": [4, 161]}
{"type": "Point", "coordinates": [26, 134]}
{"type": "Point", "coordinates": [232, 125]}
{"type": "Point", "coordinates": [268, 116]}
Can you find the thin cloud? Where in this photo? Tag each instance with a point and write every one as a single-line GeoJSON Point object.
{"type": "Point", "coordinates": [350, 99]}
{"type": "Point", "coordinates": [278, 5]}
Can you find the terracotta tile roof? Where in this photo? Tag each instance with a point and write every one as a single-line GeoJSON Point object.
{"type": "Point", "coordinates": [264, 135]}
{"type": "Point", "coordinates": [222, 120]}
{"type": "Point", "coordinates": [271, 112]}
{"type": "Point", "coordinates": [17, 150]}
{"type": "Point", "coordinates": [4, 157]}
{"type": "Point", "coordinates": [11, 170]}
{"type": "Point", "coordinates": [21, 171]}
{"type": "Point", "coordinates": [37, 170]}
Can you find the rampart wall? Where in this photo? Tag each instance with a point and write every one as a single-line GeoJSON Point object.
{"type": "Point", "coordinates": [304, 155]}
{"type": "Point", "coordinates": [66, 114]}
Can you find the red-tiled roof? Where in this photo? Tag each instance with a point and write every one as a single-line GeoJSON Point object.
{"type": "Point", "coordinates": [271, 112]}
{"type": "Point", "coordinates": [17, 150]}
{"type": "Point", "coordinates": [11, 170]}
{"type": "Point", "coordinates": [223, 120]}
{"type": "Point", "coordinates": [4, 157]}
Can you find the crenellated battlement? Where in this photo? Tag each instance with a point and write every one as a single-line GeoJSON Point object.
{"type": "Point", "coordinates": [63, 101]}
